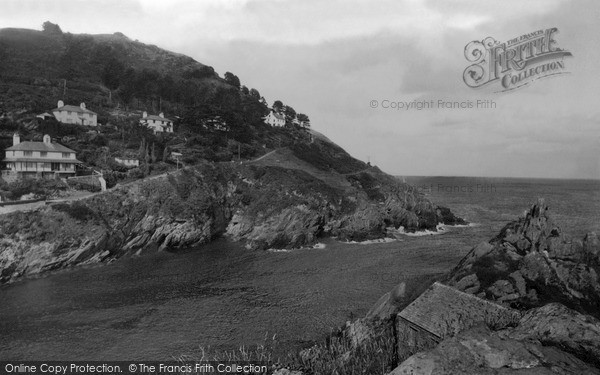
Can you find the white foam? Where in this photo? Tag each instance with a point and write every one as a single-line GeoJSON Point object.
{"type": "Point", "coordinates": [370, 242]}
{"type": "Point", "coordinates": [318, 245]}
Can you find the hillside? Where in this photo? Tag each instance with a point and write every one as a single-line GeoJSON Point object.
{"type": "Point", "coordinates": [215, 119]}
{"type": "Point", "coordinates": [36, 66]}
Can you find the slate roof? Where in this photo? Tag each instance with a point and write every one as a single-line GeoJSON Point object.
{"type": "Point", "coordinates": [74, 108]}
{"type": "Point", "coordinates": [442, 308]}
{"type": "Point", "coordinates": [39, 146]}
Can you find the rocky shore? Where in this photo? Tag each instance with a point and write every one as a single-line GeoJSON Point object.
{"type": "Point", "coordinates": [260, 204]}
{"type": "Point", "coordinates": [526, 302]}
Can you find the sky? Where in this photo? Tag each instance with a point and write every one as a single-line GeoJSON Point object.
{"type": "Point", "coordinates": [344, 62]}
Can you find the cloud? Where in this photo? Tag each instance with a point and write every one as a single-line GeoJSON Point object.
{"type": "Point", "coordinates": [329, 59]}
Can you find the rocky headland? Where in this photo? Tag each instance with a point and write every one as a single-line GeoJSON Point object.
{"type": "Point", "coordinates": [539, 287]}
{"type": "Point", "coordinates": [285, 200]}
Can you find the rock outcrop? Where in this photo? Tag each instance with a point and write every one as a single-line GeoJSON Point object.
{"type": "Point", "coordinates": [263, 206]}
{"type": "Point", "coordinates": [532, 263]}
{"type": "Point", "coordinates": [481, 351]}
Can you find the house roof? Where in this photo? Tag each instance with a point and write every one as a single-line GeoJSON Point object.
{"type": "Point", "coordinates": [442, 309]}
{"type": "Point", "coordinates": [39, 146]}
{"type": "Point", "coordinates": [44, 160]}
{"type": "Point", "coordinates": [73, 108]}
{"type": "Point", "coordinates": [278, 116]}
{"type": "Point", "coordinates": [156, 118]}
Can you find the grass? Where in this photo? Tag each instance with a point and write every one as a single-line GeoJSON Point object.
{"type": "Point", "coordinates": [334, 355]}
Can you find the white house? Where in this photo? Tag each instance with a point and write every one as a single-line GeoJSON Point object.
{"type": "Point", "coordinates": [70, 114]}
{"type": "Point", "coordinates": [159, 124]}
{"type": "Point", "coordinates": [274, 119]}
{"type": "Point", "coordinates": [128, 162]}
{"type": "Point", "coordinates": [38, 160]}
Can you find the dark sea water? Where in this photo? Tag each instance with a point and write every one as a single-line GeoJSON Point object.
{"type": "Point", "coordinates": [221, 296]}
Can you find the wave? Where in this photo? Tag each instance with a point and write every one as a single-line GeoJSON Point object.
{"type": "Point", "coordinates": [318, 245]}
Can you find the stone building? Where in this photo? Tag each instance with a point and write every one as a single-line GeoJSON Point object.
{"type": "Point", "coordinates": [443, 311]}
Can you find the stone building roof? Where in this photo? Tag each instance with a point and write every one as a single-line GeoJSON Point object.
{"type": "Point", "coordinates": [39, 146]}
{"type": "Point", "coordinates": [73, 108]}
{"type": "Point", "coordinates": [443, 310]}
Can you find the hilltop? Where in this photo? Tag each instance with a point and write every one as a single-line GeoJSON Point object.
{"type": "Point", "coordinates": [102, 70]}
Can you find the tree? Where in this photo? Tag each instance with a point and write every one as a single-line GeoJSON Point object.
{"type": "Point", "coordinates": [289, 113]}
{"type": "Point", "coordinates": [232, 79]}
{"type": "Point", "coordinates": [51, 28]}
{"type": "Point", "coordinates": [277, 106]}
{"type": "Point", "coordinates": [153, 153]}
{"type": "Point", "coordinates": [255, 94]}
{"type": "Point", "coordinates": [304, 120]}
{"type": "Point", "coordinates": [113, 73]}
{"type": "Point", "coordinates": [245, 90]}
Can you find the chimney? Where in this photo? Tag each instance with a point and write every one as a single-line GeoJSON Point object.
{"type": "Point", "coordinates": [82, 105]}
{"type": "Point", "coordinates": [16, 139]}
{"type": "Point", "coordinates": [47, 139]}
{"type": "Point", "coordinates": [145, 114]}
{"type": "Point", "coordinates": [60, 104]}
{"type": "Point", "coordinates": [161, 115]}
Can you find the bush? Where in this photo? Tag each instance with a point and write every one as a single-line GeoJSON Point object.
{"type": "Point", "coordinates": [76, 210]}
{"type": "Point", "coordinates": [40, 187]}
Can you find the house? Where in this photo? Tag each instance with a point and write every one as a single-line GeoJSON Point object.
{"type": "Point", "coordinates": [38, 160]}
{"type": "Point", "coordinates": [70, 114]}
{"type": "Point", "coordinates": [443, 311]}
{"type": "Point", "coordinates": [128, 162]}
{"type": "Point", "coordinates": [274, 119]}
{"type": "Point", "coordinates": [159, 124]}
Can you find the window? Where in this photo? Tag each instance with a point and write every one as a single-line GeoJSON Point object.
{"type": "Point", "coordinates": [66, 155]}
{"type": "Point", "coordinates": [43, 154]}
{"type": "Point", "coordinates": [28, 153]}
{"type": "Point", "coordinates": [55, 166]}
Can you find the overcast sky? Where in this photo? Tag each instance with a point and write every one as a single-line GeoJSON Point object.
{"type": "Point", "coordinates": [330, 59]}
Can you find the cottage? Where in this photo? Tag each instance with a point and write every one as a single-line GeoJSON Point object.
{"type": "Point", "coordinates": [159, 124]}
{"type": "Point", "coordinates": [274, 119]}
{"type": "Point", "coordinates": [128, 162]}
{"type": "Point", "coordinates": [443, 311]}
{"type": "Point", "coordinates": [70, 114]}
{"type": "Point", "coordinates": [38, 160]}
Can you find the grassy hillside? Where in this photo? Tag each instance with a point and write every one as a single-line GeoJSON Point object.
{"type": "Point", "coordinates": [35, 67]}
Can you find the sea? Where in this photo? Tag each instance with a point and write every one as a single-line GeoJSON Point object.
{"type": "Point", "coordinates": [221, 297]}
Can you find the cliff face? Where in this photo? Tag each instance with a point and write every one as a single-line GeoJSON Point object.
{"type": "Point", "coordinates": [264, 205]}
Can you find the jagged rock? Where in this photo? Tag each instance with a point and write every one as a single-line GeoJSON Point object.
{"type": "Point", "coordinates": [479, 351]}
{"type": "Point", "coordinates": [523, 245]}
{"type": "Point", "coordinates": [556, 325]}
{"type": "Point", "coordinates": [469, 284]}
{"type": "Point", "coordinates": [519, 282]}
{"type": "Point", "coordinates": [285, 371]}
{"type": "Point", "coordinates": [501, 288]}
{"type": "Point", "coordinates": [543, 263]}
{"type": "Point", "coordinates": [591, 245]}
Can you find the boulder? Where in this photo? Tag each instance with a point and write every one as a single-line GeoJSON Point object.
{"type": "Point", "coordinates": [556, 325]}
{"type": "Point", "coordinates": [480, 351]}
